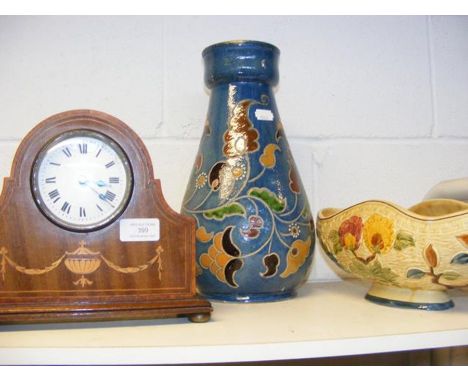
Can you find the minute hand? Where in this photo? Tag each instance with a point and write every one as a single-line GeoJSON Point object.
{"type": "Point", "coordinates": [101, 196]}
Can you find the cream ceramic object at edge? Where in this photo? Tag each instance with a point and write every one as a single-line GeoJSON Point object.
{"type": "Point", "coordinates": [413, 256]}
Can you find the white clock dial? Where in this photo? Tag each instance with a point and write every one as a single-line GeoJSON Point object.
{"type": "Point", "coordinates": [82, 180]}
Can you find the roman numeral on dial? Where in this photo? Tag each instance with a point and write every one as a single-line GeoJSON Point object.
{"type": "Point", "coordinates": [82, 212]}
{"type": "Point", "coordinates": [66, 207]}
{"type": "Point", "coordinates": [110, 164]}
{"type": "Point", "coordinates": [110, 196]}
{"type": "Point", "coordinates": [114, 180]}
{"type": "Point", "coordinates": [54, 194]}
{"type": "Point", "coordinates": [67, 152]}
{"type": "Point", "coordinates": [83, 148]}
{"type": "Point", "coordinates": [51, 180]}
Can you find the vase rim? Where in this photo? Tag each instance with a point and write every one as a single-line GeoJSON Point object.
{"type": "Point", "coordinates": [241, 43]}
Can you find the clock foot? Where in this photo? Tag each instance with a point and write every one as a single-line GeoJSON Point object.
{"type": "Point", "coordinates": [199, 317]}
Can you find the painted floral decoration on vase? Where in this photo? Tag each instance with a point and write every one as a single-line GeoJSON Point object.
{"type": "Point", "coordinates": [255, 232]}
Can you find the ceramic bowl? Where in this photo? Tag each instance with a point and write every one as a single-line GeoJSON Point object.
{"type": "Point", "coordinates": [413, 256]}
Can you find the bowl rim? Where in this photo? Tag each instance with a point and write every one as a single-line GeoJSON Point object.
{"type": "Point", "coordinates": [406, 211]}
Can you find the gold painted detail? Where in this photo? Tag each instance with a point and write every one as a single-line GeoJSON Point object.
{"type": "Point", "coordinates": [203, 235]}
{"type": "Point", "coordinates": [241, 137]}
{"type": "Point", "coordinates": [28, 271]}
{"type": "Point", "coordinates": [268, 159]}
{"type": "Point", "coordinates": [82, 261]}
{"type": "Point", "coordinates": [222, 258]}
{"type": "Point", "coordinates": [296, 257]}
{"type": "Point", "coordinates": [156, 259]}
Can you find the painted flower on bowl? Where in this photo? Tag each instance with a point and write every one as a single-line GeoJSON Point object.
{"type": "Point", "coordinates": [350, 233]}
{"type": "Point", "coordinates": [379, 234]}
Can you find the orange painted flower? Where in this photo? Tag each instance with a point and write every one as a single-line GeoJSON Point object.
{"type": "Point", "coordinates": [296, 257]}
{"type": "Point", "coordinates": [222, 258]}
{"type": "Point", "coordinates": [350, 233]}
{"type": "Point", "coordinates": [431, 256]}
{"type": "Point", "coordinates": [203, 235]}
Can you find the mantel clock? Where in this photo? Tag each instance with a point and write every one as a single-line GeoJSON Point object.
{"type": "Point", "coordinates": [85, 233]}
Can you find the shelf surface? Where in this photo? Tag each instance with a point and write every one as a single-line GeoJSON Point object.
{"type": "Point", "coordinates": [326, 319]}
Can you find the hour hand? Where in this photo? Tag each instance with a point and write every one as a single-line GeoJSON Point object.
{"type": "Point", "coordinates": [101, 196]}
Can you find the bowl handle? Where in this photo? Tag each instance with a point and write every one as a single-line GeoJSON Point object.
{"type": "Point", "coordinates": [450, 189]}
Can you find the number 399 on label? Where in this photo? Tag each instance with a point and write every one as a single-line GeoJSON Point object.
{"type": "Point", "coordinates": [139, 230]}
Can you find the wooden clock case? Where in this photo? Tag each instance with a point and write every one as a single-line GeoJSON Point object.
{"type": "Point", "coordinates": [51, 274]}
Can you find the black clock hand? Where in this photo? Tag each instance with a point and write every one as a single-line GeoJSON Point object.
{"type": "Point", "coordinates": [101, 196]}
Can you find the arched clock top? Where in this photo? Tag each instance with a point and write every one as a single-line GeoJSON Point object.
{"type": "Point", "coordinates": [58, 124]}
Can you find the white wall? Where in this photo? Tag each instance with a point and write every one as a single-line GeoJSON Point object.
{"type": "Point", "coordinates": [374, 107]}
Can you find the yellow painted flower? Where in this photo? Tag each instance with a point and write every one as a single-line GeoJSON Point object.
{"type": "Point", "coordinates": [296, 256]}
{"type": "Point", "coordinates": [379, 234]}
{"type": "Point", "coordinates": [349, 241]}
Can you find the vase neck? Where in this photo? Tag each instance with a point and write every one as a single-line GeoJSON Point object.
{"type": "Point", "coordinates": [229, 94]}
{"type": "Point", "coordinates": [245, 61]}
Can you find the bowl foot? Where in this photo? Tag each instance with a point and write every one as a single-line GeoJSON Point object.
{"type": "Point", "coordinates": [409, 298]}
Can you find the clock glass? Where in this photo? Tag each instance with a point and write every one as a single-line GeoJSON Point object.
{"type": "Point", "coordinates": [82, 180]}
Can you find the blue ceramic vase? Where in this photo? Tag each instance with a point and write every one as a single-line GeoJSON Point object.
{"type": "Point", "coordinates": [255, 231]}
